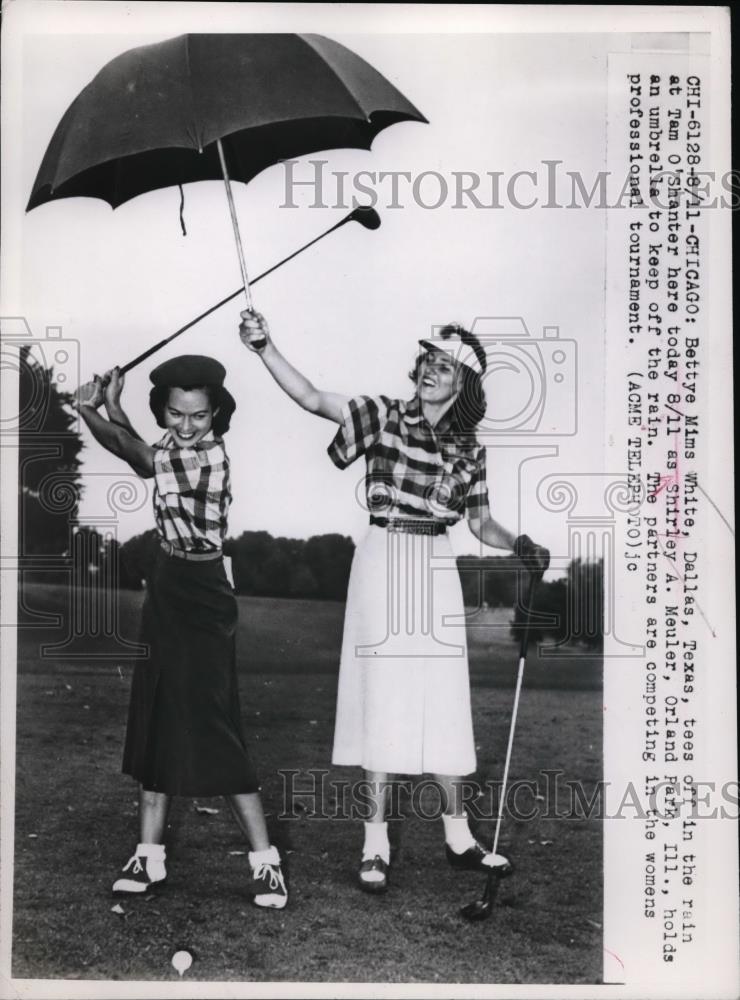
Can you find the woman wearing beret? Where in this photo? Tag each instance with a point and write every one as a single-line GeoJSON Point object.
{"type": "Point", "coordinates": [184, 733]}
{"type": "Point", "coordinates": [403, 701]}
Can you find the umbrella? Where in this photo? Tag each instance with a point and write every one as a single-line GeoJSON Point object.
{"type": "Point", "coordinates": [204, 107]}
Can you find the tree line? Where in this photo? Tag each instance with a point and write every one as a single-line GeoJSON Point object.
{"type": "Point", "coordinates": [568, 609]}
{"type": "Point", "coordinates": [262, 566]}
{"type": "Point", "coordinates": [51, 538]}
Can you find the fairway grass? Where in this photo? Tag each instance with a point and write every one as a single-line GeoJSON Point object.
{"type": "Point", "coordinates": [76, 825]}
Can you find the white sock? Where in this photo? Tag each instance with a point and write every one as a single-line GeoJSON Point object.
{"type": "Point", "coordinates": [457, 833]}
{"type": "Point", "coordinates": [376, 842]}
{"type": "Point", "coordinates": [269, 856]}
{"type": "Point", "coordinates": [155, 858]}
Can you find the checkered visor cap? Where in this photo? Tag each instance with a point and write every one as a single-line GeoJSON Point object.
{"type": "Point", "coordinates": [452, 345]}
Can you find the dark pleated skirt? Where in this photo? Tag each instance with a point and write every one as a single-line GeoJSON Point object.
{"type": "Point", "coordinates": [184, 733]}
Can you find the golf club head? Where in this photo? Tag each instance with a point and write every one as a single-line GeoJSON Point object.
{"type": "Point", "coordinates": [479, 909]}
{"type": "Point", "coordinates": [366, 216]}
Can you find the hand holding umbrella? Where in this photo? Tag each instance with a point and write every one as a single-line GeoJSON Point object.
{"type": "Point", "coordinates": [254, 331]}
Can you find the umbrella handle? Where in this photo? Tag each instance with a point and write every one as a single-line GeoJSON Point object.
{"type": "Point", "coordinates": [235, 225]}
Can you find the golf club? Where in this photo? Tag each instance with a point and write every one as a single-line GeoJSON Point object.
{"type": "Point", "coordinates": [366, 216]}
{"type": "Point", "coordinates": [481, 909]}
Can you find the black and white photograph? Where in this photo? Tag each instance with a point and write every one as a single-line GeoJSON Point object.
{"type": "Point", "coordinates": [367, 564]}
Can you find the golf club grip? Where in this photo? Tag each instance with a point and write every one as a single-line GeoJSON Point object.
{"type": "Point", "coordinates": [524, 641]}
{"type": "Point", "coordinates": [162, 343]}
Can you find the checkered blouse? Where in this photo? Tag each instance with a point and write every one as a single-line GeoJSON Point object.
{"type": "Point", "coordinates": [191, 493]}
{"type": "Point", "coordinates": [412, 469]}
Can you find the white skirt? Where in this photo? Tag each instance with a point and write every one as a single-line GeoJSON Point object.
{"type": "Point", "coordinates": [403, 702]}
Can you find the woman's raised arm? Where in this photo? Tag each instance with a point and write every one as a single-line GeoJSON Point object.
{"type": "Point", "coordinates": [113, 382]}
{"type": "Point", "coordinates": [255, 334]}
{"type": "Point", "coordinates": [113, 437]}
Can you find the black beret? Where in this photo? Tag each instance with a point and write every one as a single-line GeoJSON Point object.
{"type": "Point", "coordinates": [189, 369]}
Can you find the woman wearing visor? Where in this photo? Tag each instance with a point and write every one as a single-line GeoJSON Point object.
{"type": "Point", "coordinates": [403, 701]}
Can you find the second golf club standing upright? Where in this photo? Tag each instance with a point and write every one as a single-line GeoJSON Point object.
{"type": "Point", "coordinates": [481, 909]}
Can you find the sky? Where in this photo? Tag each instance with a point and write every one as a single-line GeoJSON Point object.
{"type": "Point", "coordinates": [348, 312]}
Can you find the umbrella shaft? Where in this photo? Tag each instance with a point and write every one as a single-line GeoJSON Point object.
{"type": "Point", "coordinates": [235, 224]}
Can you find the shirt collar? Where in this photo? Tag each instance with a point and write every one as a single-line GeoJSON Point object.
{"type": "Point", "coordinates": [450, 441]}
{"type": "Point", "coordinates": [413, 415]}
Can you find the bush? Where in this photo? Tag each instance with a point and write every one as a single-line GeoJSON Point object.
{"type": "Point", "coordinates": [568, 610]}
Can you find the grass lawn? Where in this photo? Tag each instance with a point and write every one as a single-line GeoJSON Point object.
{"type": "Point", "coordinates": [76, 825]}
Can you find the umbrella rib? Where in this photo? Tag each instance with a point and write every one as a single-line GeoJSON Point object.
{"type": "Point", "coordinates": [117, 180]}
{"type": "Point", "coordinates": [195, 135]}
{"type": "Point", "coordinates": [343, 82]}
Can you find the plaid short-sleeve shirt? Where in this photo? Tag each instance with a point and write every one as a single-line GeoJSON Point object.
{"type": "Point", "coordinates": [192, 493]}
{"type": "Point", "coordinates": [413, 469]}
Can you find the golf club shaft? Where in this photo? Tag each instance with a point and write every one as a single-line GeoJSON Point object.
{"type": "Point", "coordinates": [519, 679]}
{"type": "Point", "coordinates": [235, 224]}
{"type": "Point", "coordinates": [152, 350]}
{"type": "Point", "coordinates": [482, 909]}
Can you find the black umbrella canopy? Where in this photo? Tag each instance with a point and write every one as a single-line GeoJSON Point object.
{"type": "Point", "coordinates": [151, 116]}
